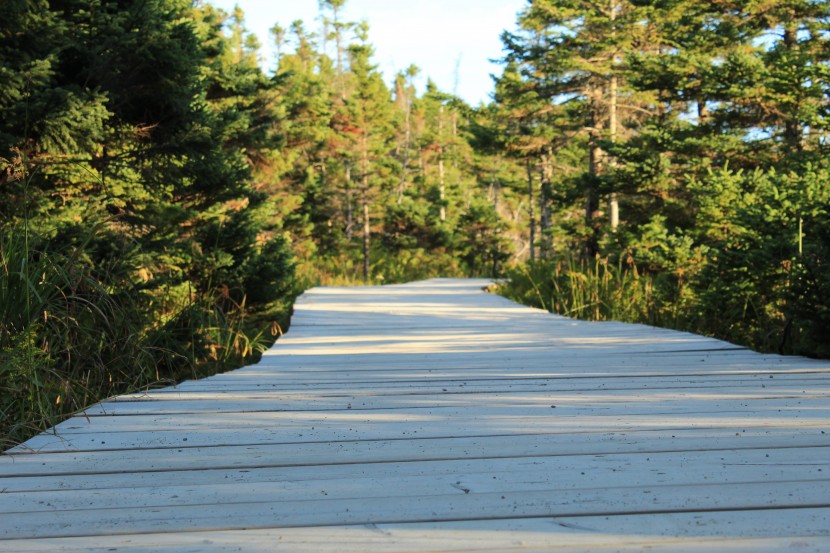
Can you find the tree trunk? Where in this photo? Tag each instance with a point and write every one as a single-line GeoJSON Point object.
{"type": "Point", "coordinates": [532, 211]}
{"type": "Point", "coordinates": [441, 187]}
{"type": "Point", "coordinates": [349, 214]}
{"type": "Point", "coordinates": [406, 147]}
{"type": "Point", "coordinates": [792, 127]}
{"type": "Point", "coordinates": [595, 169]}
{"type": "Point", "coordinates": [702, 112]}
{"type": "Point", "coordinates": [366, 226]}
{"type": "Point", "coordinates": [366, 235]}
{"type": "Point", "coordinates": [544, 204]}
{"type": "Point", "coordinates": [613, 204]}
{"type": "Point", "coordinates": [441, 183]}
{"type": "Point", "coordinates": [592, 201]}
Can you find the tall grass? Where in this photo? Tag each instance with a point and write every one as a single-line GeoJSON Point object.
{"type": "Point", "coordinates": [599, 290]}
{"type": "Point", "coordinates": [596, 290]}
{"type": "Point", "coordinates": [64, 338]}
{"type": "Point", "coordinates": [212, 333]}
{"type": "Point", "coordinates": [73, 332]}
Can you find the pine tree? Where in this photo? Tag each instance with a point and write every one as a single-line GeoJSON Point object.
{"type": "Point", "coordinates": [366, 119]}
{"type": "Point", "coordinates": [303, 172]}
{"type": "Point", "coordinates": [531, 129]}
{"type": "Point", "coordinates": [572, 52]}
{"type": "Point", "coordinates": [406, 153]}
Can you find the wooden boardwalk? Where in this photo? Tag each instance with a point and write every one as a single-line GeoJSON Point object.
{"type": "Point", "coordinates": [435, 417]}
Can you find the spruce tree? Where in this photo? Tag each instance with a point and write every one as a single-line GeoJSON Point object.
{"type": "Point", "coordinates": [366, 120]}
{"type": "Point", "coordinates": [572, 52]}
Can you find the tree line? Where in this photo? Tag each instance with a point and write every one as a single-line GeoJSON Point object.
{"type": "Point", "coordinates": [693, 137]}
{"type": "Point", "coordinates": [165, 191]}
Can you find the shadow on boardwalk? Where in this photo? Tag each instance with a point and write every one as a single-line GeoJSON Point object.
{"type": "Point", "coordinates": [435, 417]}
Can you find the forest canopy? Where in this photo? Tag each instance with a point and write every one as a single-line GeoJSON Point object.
{"type": "Point", "coordinates": [165, 192]}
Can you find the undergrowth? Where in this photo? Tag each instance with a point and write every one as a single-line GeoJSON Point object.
{"type": "Point", "coordinates": [601, 290]}
{"type": "Point", "coordinates": [595, 290]}
{"type": "Point", "coordinates": [74, 331]}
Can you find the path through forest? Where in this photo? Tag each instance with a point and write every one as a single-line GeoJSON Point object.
{"type": "Point", "coordinates": [433, 416]}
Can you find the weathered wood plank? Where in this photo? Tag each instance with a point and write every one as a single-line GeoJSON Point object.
{"type": "Point", "coordinates": [250, 389]}
{"type": "Point", "coordinates": [238, 403]}
{"type": "Point", "coordinates": [436, 370]}
{"type": "Point", "coordinates": [420, 418]}
{"type": "Point", "coordinates": [750, 532]}
{"type": "Point", "coordinates": [346, 410]}
{"type": "Point", "coordinates": [529, 474]}
{"type": "Point", "coordinates": [154, 461]}
{"type": "Point", "coordinates": [365, 425]}
{"type": "Point", "coordinates": [451, 506]}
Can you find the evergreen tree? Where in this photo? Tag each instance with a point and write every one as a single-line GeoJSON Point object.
{"type": "Point", "coordinates": [301, 174]}
{"type": "Point", "coordinates": [571, 51]}
{"type": "Point", "coordinates": [366, 119]}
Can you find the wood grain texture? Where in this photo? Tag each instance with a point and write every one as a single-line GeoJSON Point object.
{"type": "Point", "coordinates": [435, 417]}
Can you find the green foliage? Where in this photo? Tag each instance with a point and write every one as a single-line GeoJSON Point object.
{"type": "Point", "coordinates": [480, 242]}
{"type": "Point", "coordinates": [412, 224]}
{"type": "Point", "coordinates": [135, 248]}
{"type": "Point", "coordinates": [808, 298]}
{"type": "Point", "coordinates": [68, 334]}
{"type": "Point", "coordinates": [156, 185]}
{"type": "Point", "coordinates": [77, 327]}
{"type": "Point", "coordinates": [736, 274]}
{"type": "Point", "coordinates": [754, 225]}
{"type": "Point", "coordinates": [703, 123]}
{"type": "Point", "coordinates": [413, 264]}
{"type": "Point", "coordinates": [594, 290]}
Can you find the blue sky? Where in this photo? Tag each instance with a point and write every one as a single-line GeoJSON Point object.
{"type": "Point", "coordinates": [435, 35]}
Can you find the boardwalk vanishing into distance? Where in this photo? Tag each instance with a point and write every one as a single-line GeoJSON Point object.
{"type": "Point", "coordinates": [433, 417]}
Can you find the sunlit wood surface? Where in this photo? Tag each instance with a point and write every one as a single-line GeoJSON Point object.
{"type": "Point", "coordinates": [436, 417]}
